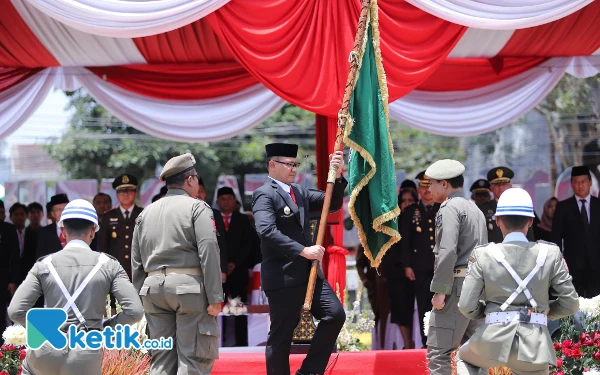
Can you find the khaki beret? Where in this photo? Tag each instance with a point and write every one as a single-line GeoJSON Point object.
{"type": "Point", "coordinates": [445, 169]}
{"type": "Point", "coordinates": [178, 165]}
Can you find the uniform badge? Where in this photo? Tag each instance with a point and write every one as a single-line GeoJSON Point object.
{"type": "Point", "coordinates": [214, 226]}
{"type": "Point", "coordinates": [287, 210]}
{"type": "Point", "coordinates": [469, 265]}
{"type": "Point", "coordinates": [114, 219]}
{"type": "Point", "coordinates": [114, 234]}
{"type": "Point", "coordinates": [491, 226]}
{"type": "Point", "coordinates": [438, 220]}
{"type": "Point", "coordinates": [125, 179]}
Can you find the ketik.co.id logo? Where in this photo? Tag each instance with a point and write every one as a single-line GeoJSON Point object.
{"type": "Point", "coordinates": [43, 325]}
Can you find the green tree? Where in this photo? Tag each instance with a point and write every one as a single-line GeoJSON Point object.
{"type": "Point", "coordinates": [415, 150]}
{"type": "Point", "coordinates": [98, 145]}
{"type": "Point", "coordinates": [572, 113]}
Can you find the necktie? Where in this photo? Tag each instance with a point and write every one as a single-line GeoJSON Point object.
{"type": "Point", "coordinates": [293, 196]}
{"type": "Point", "coordinates": [428, 208]}
{"type": "Point", "coordinates": [63, 240]}
{"type": "Point", "coordinates": [126, 215]}
{"type": "Point", "coordinates": [226, 222]}
{"type": "Point", "coordinates": [21, 241]}
{"type": "Point", "coordinates": [584, 215]}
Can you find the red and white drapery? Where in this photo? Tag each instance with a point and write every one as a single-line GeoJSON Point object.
{"type": "Point", "coordinates": [197, 70]}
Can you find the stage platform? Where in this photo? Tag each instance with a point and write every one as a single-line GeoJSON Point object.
{"type": "Point", "coordinates": [381, 362]}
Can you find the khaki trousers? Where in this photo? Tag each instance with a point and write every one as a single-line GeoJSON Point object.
{"type": "Point", "coordinates": [50, 361]}
{"type": "Point", "coordinates": [448, 329]}
{"type": "Point", "coordinates": [176, 306]}
{"type": "Point", "coordinates": [471, 361]}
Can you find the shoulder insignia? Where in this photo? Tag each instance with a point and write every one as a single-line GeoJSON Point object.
{"type": "Point", "coordinates": [438, 220]}
{"type": "Point", "coordinates": [206, 204]}
{"type": "Point", "coordinates": [42, 258]}
{"type": "Point", "coordinates": [138, 220]}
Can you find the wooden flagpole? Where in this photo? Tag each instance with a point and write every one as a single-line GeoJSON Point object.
{"type": "Point", "coordinates": [339, 144]}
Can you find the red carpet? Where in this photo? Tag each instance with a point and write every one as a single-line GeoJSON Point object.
{"type": "Point", "coordinates": [405, 362]}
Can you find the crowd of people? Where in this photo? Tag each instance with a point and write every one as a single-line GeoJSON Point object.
{"type": "Point", "coordinates": [407, 269]}
{"type": "Point", "coordinates": [29, 236]}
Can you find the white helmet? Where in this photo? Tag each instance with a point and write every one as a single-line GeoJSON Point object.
{"type": "Point", "coordinates": [515, 201]}
{"type": "Point", "coordinates": [79, 209]}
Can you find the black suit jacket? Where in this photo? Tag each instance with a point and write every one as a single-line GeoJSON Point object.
{"type": "Point", "coordinates": [221, 240]}
{"type": "Point", "coordinates": [284, 233]}
{"type": "Point", "coordinates": [10, 271]}
{"type": "Point", "coordinates": [580, 250]}
{"type": "Point", "coordinates": [417, 228]}
{"type": "Point", "coordinates": [48, 241]}
{"type": "Point", "coordinates": [28, 257]}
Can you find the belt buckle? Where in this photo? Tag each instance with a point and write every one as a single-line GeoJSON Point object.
{"type": "Point", "coordinates": [524, 315]}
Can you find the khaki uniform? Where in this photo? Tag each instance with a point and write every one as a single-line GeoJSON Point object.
{"type": "Point", "coordinates": [459, 228]}
{"type": "Point", "coordinates": [179, 231]}
{"type": "Point", "coordinates": [116, 234]}
{"type": "Point", "coordinates": [73, 264]}
{"type": "Point", "coordinates": [524, 347]}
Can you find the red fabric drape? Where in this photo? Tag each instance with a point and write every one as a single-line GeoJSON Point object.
{"type": "Point", "coordinates": [326, 128]}
{"type": "Point", "coordinates": [574, 35]}
{"type": "Point", "coordinates": [299, 49]}
{"type": "Point", "coordinates": [11, 76]}
{"type": "Point", "coordinates": [336, 269]}
{"type": "Point", "coordinates": [193, 43]}
{"type": "Point", "coordinates": [468, 74]}
{"type": "Point", "coordinates": [179, 82]}
{"type": "Point", "coordinates": [19, 47]}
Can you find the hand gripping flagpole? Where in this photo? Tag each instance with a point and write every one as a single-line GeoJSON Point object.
{"type": "Point", "coordinates": [343, 118]}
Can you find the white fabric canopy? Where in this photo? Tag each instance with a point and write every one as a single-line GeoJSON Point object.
{"type": "Point", "coordinates": [184, 121]}
{"type": "Point", "coordinates": [71, 47]}
{"type": "Point", "coordinates": [127, 18]}
{"type": "Point", "coordinates": [19, 102]}
{"type": "Point", "coordinates": [471, 112]}
{"type": "Point", "coordinates": [500, 14]}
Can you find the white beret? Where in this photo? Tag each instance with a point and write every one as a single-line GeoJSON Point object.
{"type": "Point", "coordinates": [445, 169]}
{"type": "Point", "coordinates": [515, 201]}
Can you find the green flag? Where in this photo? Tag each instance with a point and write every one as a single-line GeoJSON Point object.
{"type": "Point", "coordinates": [373, 202]}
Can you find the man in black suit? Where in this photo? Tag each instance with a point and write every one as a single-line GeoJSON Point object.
{"type": "Point", "coordinates": [281, 211]}
{"type": "Point", "coordinates": [35, 214]}
{"type": "Point", "coordinates": [220, 229]}
{"type": "Point", "coordinates": [50, 239]}
{"type": "Point", "coordinates": [417, 227]}
{"type": "Point", "coordinates": [576, 230]}
{"type": "Point", "coordinates": [241, 242]}
{"type": "Point", "coordinates": [9, 267]}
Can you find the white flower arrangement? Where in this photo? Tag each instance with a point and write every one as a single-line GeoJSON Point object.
{"type": "Point", "coordinates": [426, 323]}
{"type": "Point", "coordinates": [235, 307]}
{"type": "Point", "coordinates": [590, 306]}
{"type": "Point", "coordinates": [15, 335]}
{"type": "Point", "coordinates": [592, 372]}
{"type": "Point", "coordinates": [356, 324]}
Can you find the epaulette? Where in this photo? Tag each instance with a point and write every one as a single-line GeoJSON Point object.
{"type": "Point", "coordinates": [546, 242]}
{"type": "Point", "coordinates": [138, 220]}
{"type": "Point", "coordinates": [110, 256]}
{"type": "Point", "coordinates": [480, 246]}
{"type": "Point", "coordinates": [206, 204]}
{"type": "Point", "coordinates": [42, 258]}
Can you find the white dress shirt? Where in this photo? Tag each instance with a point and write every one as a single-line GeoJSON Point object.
{"type": "Point", "coordinates": [587, 204]}
{"type": "Point", "coordinates": [130, 210]}
{"type": "Point", "coordinates": [21, 236]}
{"type": "Point", "coordinates": [284, 186]}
